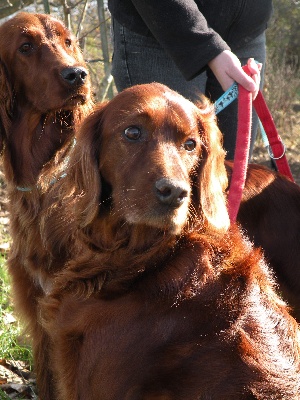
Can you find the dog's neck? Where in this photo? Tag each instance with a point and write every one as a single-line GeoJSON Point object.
{"type": "Point", "coordinates": [172, 267]}
{"type": "Point", "coordinates": [130, 256]}
{"type": "Point", "coordinates": [117, 233]}
{"type": "Point", "coordinates": [32, 141]}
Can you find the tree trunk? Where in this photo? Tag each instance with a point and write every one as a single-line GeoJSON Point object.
{"type": "Point", "coordinates": [8, 7]}
{"type": "Point", "coordinates": [46, 6]}
{"type": "Point", "coordinates": [105, 51]}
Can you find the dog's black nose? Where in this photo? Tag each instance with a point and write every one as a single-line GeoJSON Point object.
{"type": "Point", "coordinates": [74, 76]}
{"type": "Point", "coordinates": [171, 192]}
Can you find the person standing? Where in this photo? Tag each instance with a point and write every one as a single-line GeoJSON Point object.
{"type": "Point", "coordinates": [194, 47]}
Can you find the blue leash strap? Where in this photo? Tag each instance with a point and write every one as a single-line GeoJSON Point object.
{"type": "Point", "coordinates": [267, 144]}
{"type": "Point", "coordinates": [228, 97]}
{"type": "Point", "coordinates": [263, 134]}
{"type": "Point", "coordinates": [263, 112]}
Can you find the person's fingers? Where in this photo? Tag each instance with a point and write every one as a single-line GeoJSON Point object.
{"type": "Point", "coordinates": [226, 81]}
{"type": "Point", "coordinates": [254, 69]}
{"type": "Point", "coordinates": [245, 80]}
{"type": "Point", "coordinates": [256, 79]}
{"type": "Point", "coordinates": [227, 69]}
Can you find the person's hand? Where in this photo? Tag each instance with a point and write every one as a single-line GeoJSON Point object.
{"type": "Point", "coordinates": [227, 69]}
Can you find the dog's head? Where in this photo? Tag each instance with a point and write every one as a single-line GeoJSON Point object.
{"type": "Point", "coordinates": [150, 157]}
{"type": "Point", "coordinates": [41, 67]}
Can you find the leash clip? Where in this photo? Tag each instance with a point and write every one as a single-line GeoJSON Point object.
{"type": "Point", "coordinates": [270, 152]}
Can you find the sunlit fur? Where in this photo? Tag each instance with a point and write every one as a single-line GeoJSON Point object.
{"type": "Point", "coordinates": [270, 215]}
{"type": "Point", "coordinates": [38, 114]}
{"type": "Point", "coordinates": [146, 309]}
{"type": "Point", "coordinates": [166, 124]}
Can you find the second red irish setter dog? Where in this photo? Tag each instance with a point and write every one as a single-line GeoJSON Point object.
{"type": "Point", "coordinates": [270, 215]}
{"type": "Point", "coordinates": [44, 94]}
{"type": "Point", "coordinates": [162, 299]}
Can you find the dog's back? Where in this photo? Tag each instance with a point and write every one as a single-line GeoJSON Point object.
{"type": "Point", "coordinates": [163, 300]}
{"type": "Point", "coordinates": [270, 215]}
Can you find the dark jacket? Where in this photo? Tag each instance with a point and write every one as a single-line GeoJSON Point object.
{"type": "Point", "coordinates": [194, 32]}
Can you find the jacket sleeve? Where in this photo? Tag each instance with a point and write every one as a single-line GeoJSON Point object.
{"type": "Point", "coordinates": [183, 32]}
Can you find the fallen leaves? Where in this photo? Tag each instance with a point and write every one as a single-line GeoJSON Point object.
{"type": "Point", "coordinates": [16, 381]}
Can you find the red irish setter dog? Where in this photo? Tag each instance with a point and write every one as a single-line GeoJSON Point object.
{"type": "Point", "coordinates": [270, 215]}
{"type": "Point", "coordinates": [44, 94]}
{"type": "Point", "coordinates": [162, 299]}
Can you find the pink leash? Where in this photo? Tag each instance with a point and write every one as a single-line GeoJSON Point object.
{"type": "Point", "coordinates": [241, 155]}
{"type": "Point", "coordinates": [277, 147]}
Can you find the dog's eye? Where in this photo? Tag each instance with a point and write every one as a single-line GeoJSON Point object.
{"type": "Point", "coordinates": [132, 133]}
{"type": "Point", "coordinates": [25, 48]}
{"type": "Point", "coordinates": [189, 145]}
{"type": "Point", "coordinates": [68, 42]}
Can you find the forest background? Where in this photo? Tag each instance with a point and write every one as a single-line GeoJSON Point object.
{"type": "Point", "coordinates": [89, 20]}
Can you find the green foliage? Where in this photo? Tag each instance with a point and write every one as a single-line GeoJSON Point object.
{"type": "Point", "coordinates": [14, 345]}
{"type": "Point", "coordinates": [3, 396]}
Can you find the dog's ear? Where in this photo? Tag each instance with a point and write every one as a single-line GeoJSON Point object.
{"type": "Point", "coordinates": [71, 196]}
{"type": "Point", "coordinates": [83, 173]}
{"type": "Point", "coordinates": [5, 103]}
{"type": "Point", "coordinates": [212, 177]}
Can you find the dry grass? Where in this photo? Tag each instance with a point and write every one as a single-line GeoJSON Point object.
{"type": "Point", "coordinates": [282, 94]}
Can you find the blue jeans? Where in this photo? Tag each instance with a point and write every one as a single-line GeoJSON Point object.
{"type": "Point", "coordinates": [140, 59]}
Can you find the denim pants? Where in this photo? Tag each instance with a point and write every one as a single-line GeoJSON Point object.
{"type": "Point", "coordinates": [140, 59]}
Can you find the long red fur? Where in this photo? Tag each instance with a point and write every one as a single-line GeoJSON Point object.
{"type": "Point", "coordinates": [159, 302]}
{"type": "Point", "coordinates": [270, 215]}
{"type": "Point", "coordinates": [39, 112]}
